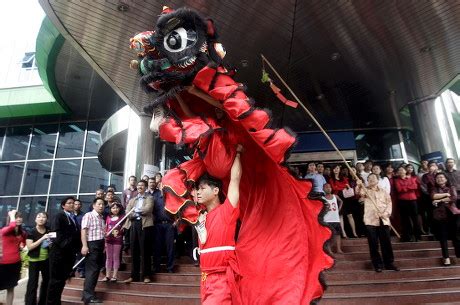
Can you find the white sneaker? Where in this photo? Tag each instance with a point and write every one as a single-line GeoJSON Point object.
{"type": "Point", "coordinates": [446, 262]}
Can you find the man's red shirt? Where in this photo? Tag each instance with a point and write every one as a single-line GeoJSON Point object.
{"type": "Point", "coordinates": [220, 227]}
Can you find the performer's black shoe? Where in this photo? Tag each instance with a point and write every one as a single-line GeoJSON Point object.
{"type": "Point", "coordinates": [378, 269]}
{"type": "Point", "coordinates": [94, 301]}
{"type": "Point", "coordinates": [392, 267]}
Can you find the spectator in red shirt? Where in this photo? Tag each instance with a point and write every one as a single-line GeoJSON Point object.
{"type": "Point", "coordinates": [446, 215]}
{"type": "Point", "coordinates": [341, 187]}
{"type": "Point", "coordinates": [406, 193]}
{"type": "Point", "coordinates": [13, 240]}
{"type": "Point", "coordinates": [427, 183]}
{"type": "Point", "coordinates": [410, 171]}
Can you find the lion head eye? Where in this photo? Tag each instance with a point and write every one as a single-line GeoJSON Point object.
{"type": "Point", "coordinates": [179, 39]}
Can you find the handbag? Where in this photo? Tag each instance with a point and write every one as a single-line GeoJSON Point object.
{"type": "Point", "coordinates": [348, 192]}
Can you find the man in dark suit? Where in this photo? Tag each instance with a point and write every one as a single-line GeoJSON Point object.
{"type": "Point", "coordinates": [63, 249]}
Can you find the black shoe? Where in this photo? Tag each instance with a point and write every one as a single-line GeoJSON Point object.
{"type": "Point", "coordinates": [94, 301]}
{"type": "Point", "coordinates": [392, 267]}
{"type": "Point", "coordinates": [378, 269]}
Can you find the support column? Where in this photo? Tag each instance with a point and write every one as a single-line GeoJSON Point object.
{"type": "Point", "coordinates": [140, 146]}
{"type": "Point", "coordinates": [434, 127]}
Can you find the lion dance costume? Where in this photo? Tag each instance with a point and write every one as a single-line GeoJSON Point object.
{"type": "Point", "coordinates": [279, 249]}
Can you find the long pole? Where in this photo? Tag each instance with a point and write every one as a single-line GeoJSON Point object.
{"type": "Point", "coordinates": [79, 262]}
{"type": "Point", "coordinates": [107, 234]}
{"type": "Point", "coordinates": [120, 222]}
{"type": "Point", "coordinates": [326, 135]}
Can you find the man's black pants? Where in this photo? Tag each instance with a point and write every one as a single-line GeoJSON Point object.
{"type": "Point", "coordinates": [374, 235]}
{"type": "Point", "coordinates": [61, 263]}
{"type": "Point", "coordinates": [164, 239]}
{"type": "Point", "coordinates": [32, 285]}
{"type": "Point", "coordinates": [94, 262]}
{"type": "Point", "coordinates": [141, 245]}
{"type": "Point", "coordinates": [409, 219]}
{"type": "Point", "coordinates": [448, 229]}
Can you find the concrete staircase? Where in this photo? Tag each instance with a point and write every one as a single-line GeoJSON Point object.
{"type": "Point", "coordinates": [422, 280]}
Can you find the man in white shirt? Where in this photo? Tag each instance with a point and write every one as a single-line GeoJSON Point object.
{"type": "Point", "coordinates": [92, 238]}
{"type": "Point", "coordinates": [367, 170]}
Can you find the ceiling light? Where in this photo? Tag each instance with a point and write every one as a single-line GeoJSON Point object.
{"type": "Point", "coordinates": [320, 96]}
{"type": "Point", "coordinates": [425, 49]}
{"type": "Point", "coordinates": [123, 7]}
{"type": "Point", "coordinates": [335, 56]}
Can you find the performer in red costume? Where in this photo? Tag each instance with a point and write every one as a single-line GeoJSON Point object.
{"type": "Point", "coordinates": [279, 251]}
{"type": "Point", "coordinates": [216, 232]}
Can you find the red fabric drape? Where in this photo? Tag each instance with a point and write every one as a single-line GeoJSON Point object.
{"type": "Point", "coordinates": [280, 246]}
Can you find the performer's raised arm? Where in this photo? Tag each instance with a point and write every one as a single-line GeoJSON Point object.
{"type": "Point", "coordinates": [235, 177]}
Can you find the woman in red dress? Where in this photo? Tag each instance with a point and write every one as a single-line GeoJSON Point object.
{"type": "Point", "coordinates": [13, 240]}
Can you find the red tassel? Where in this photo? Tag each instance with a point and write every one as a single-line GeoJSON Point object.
{"type": "Point", "coordinates": [281, 97]}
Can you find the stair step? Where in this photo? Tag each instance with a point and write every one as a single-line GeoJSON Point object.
{"type": "Point", "coordinates": [363, 246]}
{"type": "Point", "coordinates": [394, 240]}
{"type": "Point", "coordinates": [397, 297]}
{"type": "Point", "coordinates": [333, 276]}
{"type": "Point", "coordinates": [154, 287]}
{"type": "Point", "coordinates": [401, 263]}
{"type": "Point", "coordinates": [191, 277]}
{"type": "Point", "coordinates": [393, 285]}
{"type": "Point", "coordinates": [410, 253]}
{"type": "Point", "coordinates": [177, 268]}
{"type": "Point", "coordinates": [134, 297]}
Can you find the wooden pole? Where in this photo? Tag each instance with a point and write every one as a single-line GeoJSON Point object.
{"type": "Point", "coordinates": [326, 135]}
{"type": "Point", "coordinates": [120, 222]}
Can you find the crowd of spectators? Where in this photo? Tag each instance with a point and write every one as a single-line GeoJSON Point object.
{"type": "Point", "coordinates": [416, 203]}
{"type": "Point", "coordinates": [91, 244]}
{"type": "Point", "coordinates": [136, 223]}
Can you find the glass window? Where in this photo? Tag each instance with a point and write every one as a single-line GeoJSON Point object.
{"type": "Point", "coordinates": [6, 204]}
{"type": "Point", "coordinates": [378, 145]}
{"type": "Point", "coordinates": [15, 144]}
{"type": "Point", "coordinates": [54, 206]}
{"type": "Point", "coordinates": [43, 142]}
{"type": "Point", "coordinates": [37, 178]}
{"type": "Point", "coordinates": [2, 137]}
{"type": "Point", "coordinates": [70, 143]}
{"type": "Point", "coordinates": [65, 176]}
{"type": "Point", "coordinates": [93, 139]}
{"type": "Point", "coordinates": [28, 61]}
{"type": "Point", "coordinates": [93, 176]}
{"type": "Point", "coordinates": [29, 207]}
{"type": "Point", "coordinates": [117, 182]}
{"type": "Point", "coordinates": [86, 202]}
{"type": "Point", "coordinates": [10, 178]}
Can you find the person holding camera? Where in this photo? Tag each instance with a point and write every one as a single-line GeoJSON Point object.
{"type": "Point", "coordinates": [38, 242]}
{"type": "Point", "coordinates": [13, 240]}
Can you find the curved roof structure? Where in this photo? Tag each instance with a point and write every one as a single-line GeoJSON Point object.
{"type": "Point", "coordinates": [356, 64]}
